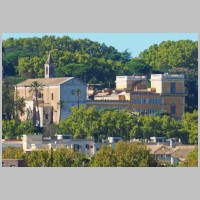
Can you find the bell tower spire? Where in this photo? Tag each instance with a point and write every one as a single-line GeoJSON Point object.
{"type": "Point", "coordinates": [49, 68]}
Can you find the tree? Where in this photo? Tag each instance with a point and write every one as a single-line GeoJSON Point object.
{"type": "Point", "coordinates": [133, 155]}
{"type": "Point", "coordinates": [62, 106]}
{"type": "Point", "coordinates": [190, 125]}
{"type": "Point", "coordinates": [13, 153]}
{"type": "Point", "coordinates": [9, 128]}
{"type": "Point", "coordinates": [27, 127]}
{"type": "Point", "coordinates": [8, 99]}
{"type": "Point", "coordinates": [35, 89]}
{"type": "Point", "coordinates": [170, 54]}
{"type": "Point", "coordinates": [50, 130]}
{"type": "Point", "coordinates": [104, 157]}
{"type": "Point", "coordinates": [77, 93]}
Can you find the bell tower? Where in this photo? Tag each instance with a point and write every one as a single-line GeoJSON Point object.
{"type": "Point", "coordinates": [49, 68]}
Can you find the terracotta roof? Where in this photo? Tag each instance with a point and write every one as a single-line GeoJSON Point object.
{"type": "Point", "coordinates": [154, 148]}
{"type": "Point", "coordinates": [45, 81]}
{"type": "Point", "coordinates": [182, 151]}
{"type": "Point", "coordinates": [176, 152]}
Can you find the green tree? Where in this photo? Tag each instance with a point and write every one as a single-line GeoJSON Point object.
{"type": "Point", "coordinates": [77, 93]}
{"type": "Point", "coordinates": [9, 128]}
{"type": "Point", "coordinates": [104, 157]}
{"type": "Point", "coordinates": [190, 125]}
{"type": "Point", "coordinates": [50, 130]}
{"type": "Point", "coordinates": [13, 153]}
{"type": "Point", "coordinates": [133, 155]}
{"type": "Point", "coordinates": [26, 127]}
{"type": "Point", "coordinates": [35, 89]}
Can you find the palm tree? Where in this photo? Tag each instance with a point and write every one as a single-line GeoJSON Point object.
{"type": "Point", "coordinates": [62, 106]}
{"type": "Point", "coordinates": [77, 92]}
{"type": "Point", "coordinates": [35, 89]}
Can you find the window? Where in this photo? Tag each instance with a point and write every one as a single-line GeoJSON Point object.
{"type": "Point", "coordinates": [46, 70]}
{"type": "Point", "coordinates": [2, 164]}
{"type": "Point", "coordinates": [87, 146]}
{"type": "Point", "coordinates": [46, 116]}
{"type": "Point", "coordinates": [143, 101]}
{"type": "Point", "coordinates": [158, 101]}
{"type": "Point", "coordinates": [147, 101]}
{"type": "Point", "coordinates": [152, 101]}
{"type": "Point", "coordinates": [135, 101]}
{"type": "Point", "coordinates": [173, 88]}
{"type": "Point", "coordinates": [173, 109]}
{"type": "Point", "coordinates": [52, 96]}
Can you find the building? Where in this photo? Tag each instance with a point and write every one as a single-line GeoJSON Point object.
{"type": "Point", "coordinates": [167, 150]}
{"type": "Point", "coordinates": [166, 94]}
{"type": "Point", "coordinates": [86, 146]}
{"type": "Point", "coordinates": [55, 99]}
{"type": "Point", "coordinates": [13, 163]}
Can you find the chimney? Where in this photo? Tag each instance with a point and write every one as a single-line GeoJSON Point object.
{"type": "Point", "coordinates": [172, 143]}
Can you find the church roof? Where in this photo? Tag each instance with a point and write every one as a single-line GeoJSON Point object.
{"type": "Point", "coordinates": [49, 59]}
{"type": "Point", "coordinates": [45, 81]}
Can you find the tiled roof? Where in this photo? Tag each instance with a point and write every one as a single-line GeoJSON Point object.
{"type": "Point", "coordinates": [45, 81]}
{"type": "Point", "coordinates": [176, 152]}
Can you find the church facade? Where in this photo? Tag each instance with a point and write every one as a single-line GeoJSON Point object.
{"type": "Point", "coordinates": [55, 97]}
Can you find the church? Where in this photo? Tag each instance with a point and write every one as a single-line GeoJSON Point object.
{"type": "Point", "coordinates": [55, 97]}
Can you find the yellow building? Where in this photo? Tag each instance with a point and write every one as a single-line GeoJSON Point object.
{"type": "Point", "coordinates": [167, 93]}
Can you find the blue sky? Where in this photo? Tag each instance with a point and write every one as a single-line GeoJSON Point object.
{"type": "Point", "coordinates": [134, 42]}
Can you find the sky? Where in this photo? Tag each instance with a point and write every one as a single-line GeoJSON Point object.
{"type": "Point", "coordinates": [135, 43]}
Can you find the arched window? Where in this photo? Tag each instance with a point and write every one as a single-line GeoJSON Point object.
{"type": "Point", "coordinates": [52, 96]}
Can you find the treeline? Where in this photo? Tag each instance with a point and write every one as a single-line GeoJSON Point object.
{"type": "Point", "coordinates": [170, 54]}
{"type": "Point", "coordinates": [93, 62]}
{"type": "Point", "coordinates": [124, 154]}
{"type": "Point", "coordinates": [100, 124]}
{"type": "Point", "coordinates": [84, 59]}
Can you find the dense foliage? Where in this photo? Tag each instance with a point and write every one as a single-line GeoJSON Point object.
{"type": "Point", "coordinates": [123, 155]}
{"type": "Point", "coordinates": [84, 59]}
{"type": "Point", "coordinates": [170, 54]}
{"type": "Point", "coordinates": [100, 124]}
{"type": "Point", "coordinates": [15, 128]}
